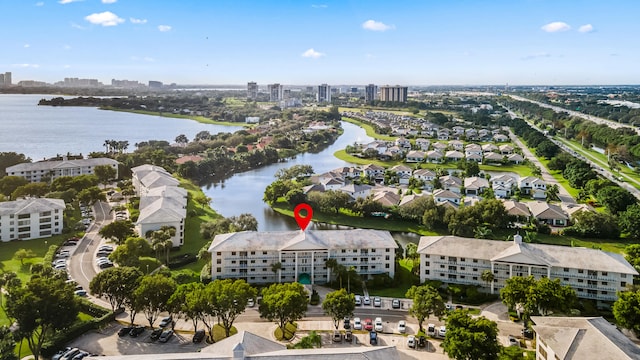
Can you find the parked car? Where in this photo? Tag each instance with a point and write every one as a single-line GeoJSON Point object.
{"type": "Point", "coordinates": [368, 324]}
{"type": "Point", "coordinates": [513, 341]}
{"type": "Point", "coordinates": [155, 334]}
{"type": "Point", "coordinates": [357, 324]}
{"type": "Point", "coordinates": [124, 330]}
{"type": "Point", "coordinates": [377, 302]}
{"type": "Point", "coordinates": [422, 341]}
{"type": "Point", "coordinates": [70, 354]}
{"type": "Point", "coordinates": [70, 243]}
{"type": "Point", "coordinates": [442, 332]}
{"type": "Point", "coordinates": [337, 336]}
{"type": "Point", "coordinates": [347, 323]}
{"type": "Point", "coordinates": [348, 336]}
{"type": "Point", "coordinates": [366, 300]}
{"type": "Point", "coordinates": [395, 303]}
{"type": "Point", "coordinates": [60, 353]}
{"type": "Point", "coordinates": [80, 355]}
{"type": "Point", "coordinates": [431, 330]}
{"type": "Point", "coordinates": [136, 331]}
{"type": "Point", "coordinates": [378, 324]}
{"type": "Point", "coordinates": [165, 336]}
{"type": "Point", "coordinates": [527, 333]}
{"type": "Point", "coordinates": [63, 253]}
{"type": "Point", "coordinates": [251, 303]}
{"type": "Point", "coordinates": [82, 293]}
{"type": "Point", "coordinates": [166, 321]}
{"type": "Point", "coordinates": [358, 300]}
{"type": "Point", "coordinates": [402, 326]}
{"type": "Point", "coordinates": [198, 336]}
{"type": "Point", "coordinates": [105, 265]}
{"type": "Point", "coordinates": [373, 338]}
{"type": "Point", "coordinates": [411, 341]}
{"type": "Point", "coordinates": [102, 254]}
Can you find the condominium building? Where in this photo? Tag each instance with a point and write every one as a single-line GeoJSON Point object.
{"type": "Point", "coordinates": [252, 256]}
{"type": "Point", "coordinates": [43, 170]}
{"type": "Point", "coordinates": [593, 274]}
{"type": "Point", "coordinates": [252, 90]}
{"type": "Point", "coordinates": [275, 92]}
{"type": "Point", "coordinates": [370, 93]}
{"type": "Point", "coordinates": [162, 202]}
{"type": "Point", "coordinates": [324, 93]}
{"type": "Point", "coordinates": [31, 218]}
{"type": "Point", "coordinates": [5, 79]}
{"type": "Point", "coordinates": [394, 93]}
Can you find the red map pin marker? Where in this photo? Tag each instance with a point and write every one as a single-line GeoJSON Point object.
{"type": "Point", "coordinates": [303, 221]}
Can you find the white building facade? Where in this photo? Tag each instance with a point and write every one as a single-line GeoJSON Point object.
{"type": "Point", "coordinates": [31, 219]}
{"type": "Point", "coordinates": [593, 274]}
{"type": "Point", "coordinates": [51, 170]}
{"type": "Point", "coordinates": [302, 255]}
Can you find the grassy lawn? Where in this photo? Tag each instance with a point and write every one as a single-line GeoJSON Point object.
{"type": "Point", "coordinates": [200, 119]}
{"type": "Point", "coordinates": [218, 332]}
{"type": "Point", "coordinates": [289, 332]}
{"type": "Point", "coordinates": [369, 129]}
{"type": "Point", "coordinates": [405, 281]}
{"type": "Point", "coordinates": [193, 241]}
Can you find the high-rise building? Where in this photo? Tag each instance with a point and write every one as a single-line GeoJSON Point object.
{"type": "Point", "coordinates": [275, 92]}
{"type": "Point", "coordinates": [5, 79]}
{"type": "Point", "coordinates": [370, 93]}
{"type": "Point", "coordinates": [155, 84]}
{"type": "Point", "coordinates": [252, 90]}
{"type": "Point", "coordinates": [394, 93]}
{"type": "Point", "coordinates": [1, 79]}
{"type": "Point", "coordinates": [324, 93]}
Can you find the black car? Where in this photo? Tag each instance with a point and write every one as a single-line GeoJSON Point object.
{"type": "Point", "coordinates": [136, 331]}
{"type": "Point", "coordinates": [105, 265]}
{"type": "Point", "coordinates": [347, 324]}
{"type": "Point", "coordinates": [527, 333]}
{"type": "Point", "coordinates": [348, 336]}
{"type": "Point", "coordinates": [422, 341]}
{"type": "Point", "coordinates": [198, 336]}
{"type": "Point", "coordinates": [373, 338]}
{"type": "Point", "coordinates": [103, 253]}
{"type": "Point", "coordinates": [165, 336]}
{"type": "Point", "coordinates": [166, 321]}
{"type": "Point", "coordinates": [155, 334]}
{"type": "Point", "coordinates": [124, 331]}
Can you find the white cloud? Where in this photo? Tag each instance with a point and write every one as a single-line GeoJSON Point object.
{"type": "Point", "coordinates": [536, 56]}
{"type": "Point", "coordinates": [556, 26]}
{"type": "Point", "coordinates": [376, 26]}
{"type": "Point", "coordinates": [40, 3]}
{"type": "Point", "coordinates": [26, 46]}
{"type": "Point", "coordinates": [587, 28]}
{"type": "Point", "coordinates": [312, 54]}
{"type": "Point", "coordinates": [106, 18]}
{"type": "Point", "coordinates": [35, 66]}
{"type": "Point", "coordinates": [74, 25]}
{"type": "Point", "coordinates": [138, 21]}
{"type": "Point", "coordinates": [319, 6]}
{"type": "Point", "coordinates": [63, 2]}
{"type": "Point", "coordinates": [164, 28]}
{"type": "Point", "coordinates": [109, 1]}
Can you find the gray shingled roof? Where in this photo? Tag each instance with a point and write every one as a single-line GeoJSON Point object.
{"type": "Point", "coordinates": [60, 164]}
{"type": "Point", "coordinates": [30, 206]}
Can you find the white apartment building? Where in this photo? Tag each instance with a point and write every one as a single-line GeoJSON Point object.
{"type": "Point", "coordinates": [593, 274]}
{"type": "Point", "coordinates": [35, 172]}
{"type": "Point", "coordinates": [162, 202]}
{"type": "Point", "coordinates": [250, 255]}
{"type": "Point", "coordinates": [31, 219]}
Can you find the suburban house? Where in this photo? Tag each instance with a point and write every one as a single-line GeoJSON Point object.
{"type": "Point", "coordinates": [249, 255]}
{"type": "Point", "coordinates": [456, 145]}
{"type": "Point", "coordinates": [471, 134]}
{"type": "Point", "coordinates": [441, 195]}
{"type": "Point", "coordinates": [403, 143]}
{"type": "Point", "coordinates": [248, 346]}
{"type": "Point", "coordinates": [549, 214]}
{"type": "Point", "coordinates": [454, 155]}
{"type": "Point", "coordinates": [423, 144]}
{"type": "Point", "coordinates": [489, 148]}
{"type": "Point", "coordinates": [332, 183]}
{"type": "Point", "coordinates": [415, 156]}
{"type": "Point", "coordinates": [378, 145]}
{"type": "Point", "coordinates": [473, 149]}
{"type": "Point", "coordinates": [515, 159]}
{"type": "Point", "coordinates": [401, 170]}
{"type": "Point", "coordinates": [408, 199]}
{"type": "Point", "coordinates": [581, 338]}
{"type": "Point", "coordinates": [500, 138]}
{"type": "Point", "coordinates": [571, 209]}
{"type": "Point", "coordinates": [434, 156]}
{"type": "Point", "coordinates": [505, 149]}
{"type": "Point", "coordinates": [451, 183]}
{"type": "Point", "coordinates": [356, 191]}
{"type": "Point", "coordinates": [517, 209]}
{"type": "Point", "coordinates": [475, 185]}
{"type": "Point", "coordinates": [162, 202]}
{"type": "Point", "coordinates": [387, 198]}
{"type": "Point", "coordinates": [53, 169]}
{"type": "Point", "coordinates": [503, 185]}
{"type": "Point", "coordinates": [425, 175]}
{"type": "Point", "coordinates": [439, 146]}
{"type": "Point", "coordinates": [594, 274]}
{"type": "Point", "coordinates": [31, 218]}
{"type": "Point", "coordinates": [443, 134]}
{"type": "Point", "coordinates": [533, 186]}
{"type": "Point", "coordinates": [373, 171]}
{"type": "Point", "coordinates": [474, 157]}
{"type": "Point", "coordinates": [492, 157]}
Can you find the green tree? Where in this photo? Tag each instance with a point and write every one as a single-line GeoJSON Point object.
{"type": "Point", "coordinates": [550, 295]}
{"type": "Point", "coordinates": [105, 173]}
{"type": "Point", "coordinates": [593, 225]}
{"type": "Point", "coordinates": [91, 195]}
{"type": "Point", "coordinates": [36, 189]}
{"type": "Point", "coordinates": [615, 198]}
{"type": "Point", "coordinates": [276, 268]}
{"type": "Point", "coordinates": [415, 209]}
{"type": "Point", "coordinates": [43, 307]}
{"type": "Point", "coordinates": [129, 253]}
{"type": "Point", "coordinates": [296, 172]}
{"type": "Point", "coordinates": [339, 304]}
{"type": "Point", "coordinates": [426, 302]}
{"type": "Point", "coordinates": [552, 192]}
{"type": "Point", "coordinates": [629, 221]}
{"type": "Point", "coordinates": [118, 231]}
{"type": "Point", "coordinates": [230, 299]}
{"type": "Point", "coordinates": [470, 338]}
{"type": "Point", "coordinates": [284, 303]}
{"type": "Point", "coordinates": [22, 254]}
{"type": "Point", "coordinates": [516, 292]}
{"type": "Point", "coordinates": [633, 255]}
{"type": "Point", "coordinates": [7, 344]}
{"type": "Point", "coordinates": [276, 190]}
{"type": "Point", "coordinates": [9, 184]}
{"type": "Point", "coordinates": [488, 277]}
{"type": "Point", "coordinates": [412, 252]}
{"type": "Point", "coordinates": [511, 353]}
{"type": "Point", "coordinates": [153, 294]}
{"type": "Point", "coordinates": [115, 284]}
{"type": "Point", "coordinates": [535, 296]}
{"type": "Point", "coordinates": [182, 139]}
{"type": "Point", "coordinates": [577, 173]}
{"type": "Point", "coordinates": [184, 301]}
{"type": "Point", "coordinates": [9, 159]}
{"type": "Point", "coordinates": [329, 201]}
{"type": "Point", "coordinates": [625, 310]}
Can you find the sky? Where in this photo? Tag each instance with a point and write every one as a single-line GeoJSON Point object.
{"type": "Point", "coordinates": [405, 42]}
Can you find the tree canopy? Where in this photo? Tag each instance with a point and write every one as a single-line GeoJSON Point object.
{"type": "Point", "coordinates": [426, 302]}
{"type": "Point", "coordinates": [153, 293]}
{"type": "Point", "coordinates": [625, 310]}
{"type": "Point", "coordinates": [339, 304]}
{"type": "Point", "coordinates": [470, 338]}
{"type": "Point", "coordinates": [115, 284]}
{"type": "Point", "coordinates": [284, 303]}
{"type": "Point", "coordinates": [118, 231]}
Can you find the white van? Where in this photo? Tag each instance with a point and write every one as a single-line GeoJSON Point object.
{"type": "Point", "coordinates": [358, 300]}
{"type": "Point", "coordinates": [431, 330]}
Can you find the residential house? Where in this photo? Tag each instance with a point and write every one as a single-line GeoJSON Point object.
{"type": "Point", "coordinates": [443, 134]}
{"type": "Point", "coordinates": [425, 175]}
{"type": "Point", "coordinates": [434, 156]}
{"type": "Point", "coordinates": [454, 155]}
{"type": "Point", "coordinates": [588, 338]}
{"type": "Point", "coordinates": [517, 209]}
{"type": "Point", "coordinates": [500, 138]}
{"type": "Point", "coordinates": [475, 185]}
{"type": "Point", "coordinates": [415, 156]}
{"type": "Point", "coordinates": [402, 170]}
{"type": "Point", "coordinates": [387, 198]}
{"type": "Point", "coordinates": [439, 147]}
{"type": "Point", "coordinates": [474, 157]}
{"type": "Point", "coordinates": [53, 169]}
{"type": "Point", "coordinates": [379, 145]}
{"type": "Point", "coordinates": [549, 214]}
{"type": "Point", "coordinates": [492, 157]}
{"type": "Point", "coordinates": [356, 191]}
{"type": "Point", "coordinates": [451, 183]}
{"type": "Point", "coordinates": [505, 149]}
{"type": "Point", "coordinates": [515, 159]}
{"type": "Point", "coordinates": [373, 171]}
{"type": "Point", "coordinates": [458, 131]}
{"type": "Point", "coordinates": [423, 144]}
{"type": "Point", "coordinates": [533, 186]}
{"type": "Point", "coordinates": [572, 209]}
{"type": "Point", "coordinates": [471, 134]}
{"type": "Point", "coordinates": [473, 149]}
{"type": "Point", "coordinates": [31, 219]}
{"type": "Point", "coordinates": [333, 183]}
{"type": "Point", "coordinates": [594, 274]}
{"type": "Point", "coordinates": [456, 145]}
{"type": "Point", "coordinates": [489, 148]}
{"type": "Point", "coordinates": [441, 195]}
{"type": "Point", "coordinates": [484, 135]}
{"type": "Point", "coordinates": [503, 185]}
{"type": "Point", "coordinates": [408, 199]}
{"type": "Point", "coordinates": [403, 143]}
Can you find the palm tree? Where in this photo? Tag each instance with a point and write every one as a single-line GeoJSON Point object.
{"type": "Point", "coordinates": [488, 277]}
{"type": "Point", "coordinates": [331, 265]}
{"type": "Point", "coordinates": [276, 267]}
{"type": "Point", "coordinates": [552, 192]}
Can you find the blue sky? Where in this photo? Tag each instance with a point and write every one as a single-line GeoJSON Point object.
{"type": "Point", "coordinates": [456, 42]}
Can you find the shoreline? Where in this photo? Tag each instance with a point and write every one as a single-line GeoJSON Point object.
{"type": "Point", "coordinates": [200, 119]}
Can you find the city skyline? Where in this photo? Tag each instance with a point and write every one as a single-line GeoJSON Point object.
{"type": "Point", "coordinates": [522, 42]}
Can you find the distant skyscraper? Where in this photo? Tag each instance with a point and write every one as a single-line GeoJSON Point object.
{"type": "Point", "coordinates": [275, 92]}
{"type": "Point", "coordinates": [394, 93]}
{"type": "Point", "coordinates": [155, 84]}
{"type": "Point", "coordinates": [6, 81]}
{"type": "Point", "coordinates": [252, 90]}
{"type": "Point", "coordinates": [1, 79]}
{"type": "Point", "coordinates": [324, 93]}
{"type": "Point", "coordinates": [370, 93]}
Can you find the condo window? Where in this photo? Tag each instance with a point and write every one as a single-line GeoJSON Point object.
{"type": "Point", "coordinates": [264, 253]}
{"type": "Point", "coordinates": [233, 253]}
{"type": "Point", "coordinates": [344, 251]}
{"type": "Point", "coordinates": [426, 263]}
{"type": "Point", "coordinates": [475, 278]}
{"type": "Point", "coordinates": [461, 259]}
{"type": "Point", "coordinates": [426, 272]}
{"type": "Point", "coordinates": [580, 271]}
{"type": "Point", "coordinates": [264, 261]}
{"type": "Point", "coordinates": [218, 269]}
{"type": "Point", "coordinates": [475, 260]}
{"type": "Point", "coordinates": [253, 253]}
{"type": "Point", "coordinates": [565, 269]}
{"type": "Point", "coordinates": [233, 261]}
{"type": "Point", "coordinates": [604, 273]}
{"type": "Point", "coordinates": [623, 284]}
{"type": "Point", "coordinates": [605, 283]}
{"type": "Point", "coordinates": [218, 261]}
